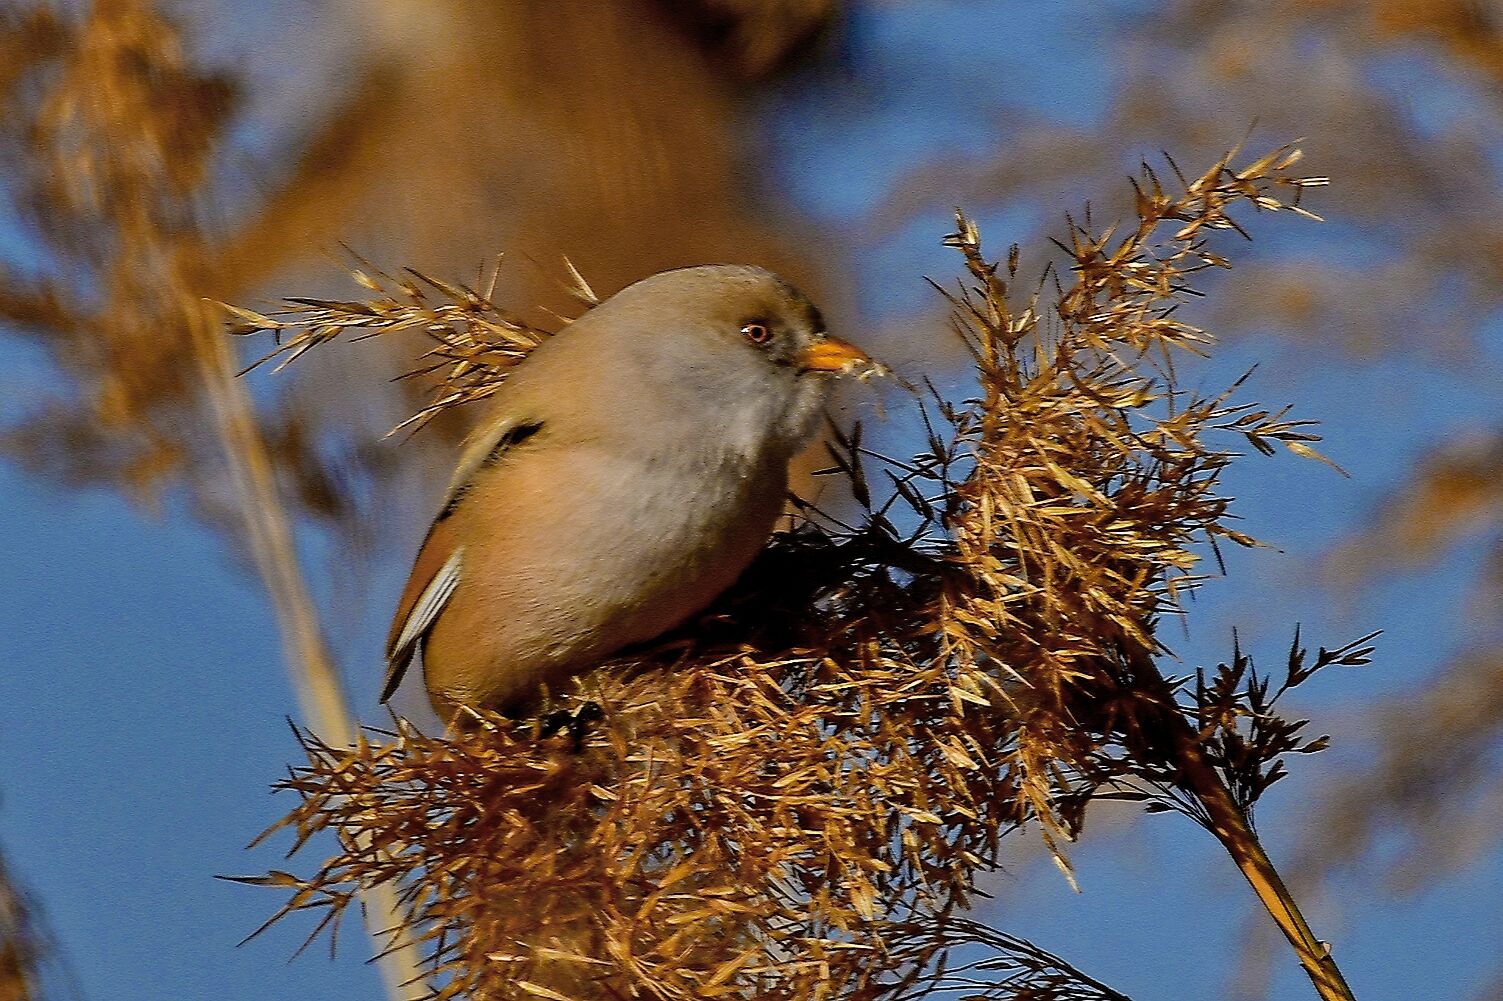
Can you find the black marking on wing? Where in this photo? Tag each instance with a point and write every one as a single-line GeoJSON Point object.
{"type": "Point", "coordinates": [455, 499]}
{"type": "Point", "coordinates": [513, 437]}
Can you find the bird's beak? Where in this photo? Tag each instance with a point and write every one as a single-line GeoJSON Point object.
{"type": "Point", "coordinates": [831, 354]}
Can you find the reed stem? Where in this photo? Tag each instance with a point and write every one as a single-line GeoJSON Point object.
{"type": "Point", "coordinates": [314, 676]}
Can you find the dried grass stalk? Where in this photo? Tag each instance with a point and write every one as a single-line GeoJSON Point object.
{"type": "Point", "coordinates": [793, 798]}
{"type": "Point", "coordinates": [120, 129]}
{"type": "Point", "coordinates": [474, 342]}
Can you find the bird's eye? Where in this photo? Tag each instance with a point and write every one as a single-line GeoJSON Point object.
{"type": "Point", "coordinates": [757, 333]}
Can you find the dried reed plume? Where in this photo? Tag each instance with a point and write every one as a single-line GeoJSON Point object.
{"type": "Point", "coordinates": [793, 798]}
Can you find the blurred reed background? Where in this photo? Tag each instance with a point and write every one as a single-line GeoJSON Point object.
{"type": "Point", "coordinates": [160, 153]}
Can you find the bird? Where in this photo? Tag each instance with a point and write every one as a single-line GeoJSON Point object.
{"type": "Point", "coordinates": [631, 467]}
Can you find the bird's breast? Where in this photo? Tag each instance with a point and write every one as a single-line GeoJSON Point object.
{"type": "Point", "coordinates": [578, 551]}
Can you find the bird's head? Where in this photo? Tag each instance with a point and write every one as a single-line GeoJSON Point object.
{"type": "Point", "coordinates": [742, 341]}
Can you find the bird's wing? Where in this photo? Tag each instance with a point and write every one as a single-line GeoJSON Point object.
{"type": "Point", "coordinates": [436, 572]}
{"type": "Point", "coordinates": [483, 450]}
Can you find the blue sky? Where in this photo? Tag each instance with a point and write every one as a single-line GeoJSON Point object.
{"type": "Point", "coordinates": [142, 709]}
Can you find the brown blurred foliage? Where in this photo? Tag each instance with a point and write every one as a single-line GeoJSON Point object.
{"type": "Point", "coordinates": [1434, 777]}
{"type": "Point", "coordinates": [533, 126]}
{"type": "Point", "coordinates": [109, 131]}
{"type": "Point", "coordinates": [23, 947]}
{"type": "Point", "coordinates": [1422, 193]}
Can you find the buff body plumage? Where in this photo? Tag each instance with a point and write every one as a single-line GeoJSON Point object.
{"type": "Point", "coordinates": [630, 470]}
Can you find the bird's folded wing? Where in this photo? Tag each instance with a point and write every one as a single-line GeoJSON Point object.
{"type": "Point", "coordinates": [436, 573]}
{"type": "Point", "coordinates": [434, 577]}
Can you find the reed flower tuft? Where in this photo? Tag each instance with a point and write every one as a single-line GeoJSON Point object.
{"type": "Point", "coordinates": [794, 797]}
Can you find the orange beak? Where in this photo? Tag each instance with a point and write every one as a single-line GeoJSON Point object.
{"type": "Point", "coordinates": [832, 355]}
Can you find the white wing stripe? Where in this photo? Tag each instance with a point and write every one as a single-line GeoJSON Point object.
{"type": "Point", "coordinates": [430, 603]}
